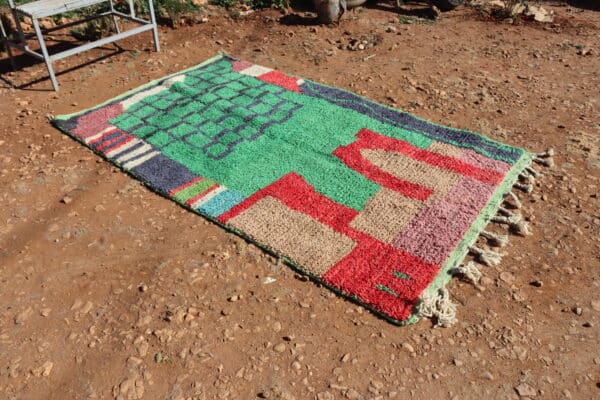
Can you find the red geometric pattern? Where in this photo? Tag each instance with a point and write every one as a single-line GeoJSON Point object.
{"type": "Point", "coordinates": [371, 263]}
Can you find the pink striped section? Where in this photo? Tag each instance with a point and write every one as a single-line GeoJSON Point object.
{"type": "Point", "coordinates": [437, 229]}
{"type": "Point", "coordinates": [483, 162]}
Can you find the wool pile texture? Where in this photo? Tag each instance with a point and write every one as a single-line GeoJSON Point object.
{"type": "Point", "coordinates": [372, 202]}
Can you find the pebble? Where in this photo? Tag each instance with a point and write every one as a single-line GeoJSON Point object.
{"type": "Point", "coordinates": [507, 277]}
{"type": "Point", "coordinates": [66, 200]}
{"type": "Point", "coordinates": [279, 348]}
{"type": "Point", "coordinates": [408, 347]}
{"type": "Point", "coordinates": [525, 389]}
{"type": "Point", "coordinates": [352, 394]}
{"type": "Point", "coordinates": [325, 396]}
{"type": "Point", "coordinates": [43, 370]}
{"type": "Point", "coordinates": [487, 375]}
{"type": "Point", "coordinates": [23, 316]}
{"type": "Point", "coordinates": [233, 298]}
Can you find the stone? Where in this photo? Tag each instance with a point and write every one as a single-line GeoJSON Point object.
{"type": "Point", "coordinates": [487, 375]}
{"type": "Point", "coordinates": [525, 390]}
{"type": "Point", "coordinates": [23, 316]}
{"type": "Point", "coordinates": [279, 348]}
{"type": "Point", "coordinates": [408, 347]}
{"type": "Point", "coordinates": [43, 370]}
{"type": "Point", "coordinates": [507, 277]}
{"type": "Point", "coordinates": [325, 396]}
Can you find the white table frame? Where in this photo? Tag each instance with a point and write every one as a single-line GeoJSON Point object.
{"type": "Point", "coordinates": [47, 8]}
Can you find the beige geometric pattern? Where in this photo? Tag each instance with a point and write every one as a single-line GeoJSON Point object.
{"type": "Point", "coordinates": [445, 149]}
{"type": "Point", "coordinates": [374, 219]}
{"type": "Point", "coordinates": [306, 241]}
{"type": "Point", "coordinates": [414, 171]}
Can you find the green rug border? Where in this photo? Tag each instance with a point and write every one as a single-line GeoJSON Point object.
{"type": "Point", "coordinates": [444, 275]}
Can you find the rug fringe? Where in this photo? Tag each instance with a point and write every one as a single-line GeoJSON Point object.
{"type": "Point", "coordinates": [495, 239]}
{"type": "Point", "coordinates": [486, 257]}
{"type": "Point", "coordinates": [438, 306]}
{"type": "Point", "coordinates": [546, 158]}
{"type": "Point", "coordinates": [469, 272]}
{"type": "Point", "coordinates": [516, 201]}
{"type": "Point", "coordinates": [515, 223]}
{"type": "Point", "coordinates": [526, 187]}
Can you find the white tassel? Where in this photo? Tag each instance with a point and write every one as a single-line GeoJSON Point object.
{"type": "Point", "coordinates": [487, 257]}
{"type": "Point", "coordinates": [506, 212]}
{"type": "Point", "coordinates": [526, 187]}
{"type": "Point", "coordinates": [515, 222]}
{"type": "Point", "coordinates": [526, 176]}
{"type": "Point", "coordinates": [495, 239]}
{"type": "Point", "coordinates": [545, 158]}
{"type": "Point", "coordinates": [469, 272]}
{"type": "Point", "coordinates": [438, 306]}
{"type": "Point", "coordinates": [533, 172]}
{"type": "Point", "coordinates": [515, 200]}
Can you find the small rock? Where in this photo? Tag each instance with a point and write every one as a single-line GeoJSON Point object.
{"type": "Point", "coordinates": [486, 281]}
{"type": "Point", "coordinates": [43, 370]}
{"type": "Point", "coordinates": [577, 310]}
{"type": "Point", "coordinates": [352, 394]}
{"type": "Point", "coordinates": [487, 375]}
{"type": "Point", "coordinates": [21, 317]}
{"type": "Point", "coordinates": [408, 347]}
{"type": "Point", "coordinates": [87, 307]}
{"type": "Point", "coordinates": [279, 348]}
{"type": "Point", "coordinates": [457, 362]}
{"type": "Point", "coordinates": [507, 277]}
{"type": "Point", "coordinates": [536, 283]}
{"type": "Point", "coordinates": [525, 390]}
{"type": "Point", "coordinates": [66, 200]}
{"type": "Point", "coordinates": [233, 298]}
{"type": "Point", "coordinates": [325, 396]}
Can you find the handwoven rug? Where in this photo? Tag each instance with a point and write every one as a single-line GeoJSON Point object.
{"type": "Point", "coordinates": [374, 203]}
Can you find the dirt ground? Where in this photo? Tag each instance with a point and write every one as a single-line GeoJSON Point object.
{"type": "Point", "coordinates": [110, 291]}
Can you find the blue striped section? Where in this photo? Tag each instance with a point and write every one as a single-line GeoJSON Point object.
{"type": "Point", "coordinates": [222, 203]}
{"type": "Point", "coordinates": [163, 174]}
{"type": "Point", "coordinates": [118, 142]}
{"type": "Point", "coordinates": [106, 139]}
